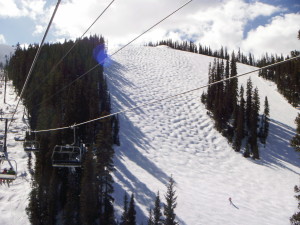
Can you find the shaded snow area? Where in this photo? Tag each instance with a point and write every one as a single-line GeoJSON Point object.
{"type": "Point", "coordinates": [177, 137]}
{"type": "Point", "coordinates": [14, 199]}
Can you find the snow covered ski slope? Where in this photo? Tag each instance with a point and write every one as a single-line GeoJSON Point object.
{"type": "Point", "coordinates": [14, 199]}
{"type": "Point", "coordinates": [178, 138]}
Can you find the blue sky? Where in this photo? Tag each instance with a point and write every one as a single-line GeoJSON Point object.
{"type": "Point", "coordinates": [253, 26]}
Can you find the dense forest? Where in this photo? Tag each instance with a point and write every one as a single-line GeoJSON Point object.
{"type": "Point", "coordinates": [236, 113]}
{"type": "Point", "coordinates": [68, 195]}
{"type": "Point", "coordinates": [286, 76]}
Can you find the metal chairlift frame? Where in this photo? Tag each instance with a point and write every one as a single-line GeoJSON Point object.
{"type": "Point", "coordinates": [68, 155]}
{"type": "Point", "coordinates": [31, 145]}
{"type": "Point", "coordinates": [4, 158]}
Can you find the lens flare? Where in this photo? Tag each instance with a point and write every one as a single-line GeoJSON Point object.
{"type": "Point", "coordinates": [100, 55]}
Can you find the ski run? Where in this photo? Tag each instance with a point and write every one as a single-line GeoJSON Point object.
{"type": "Point", "coordinates": [177, 137]}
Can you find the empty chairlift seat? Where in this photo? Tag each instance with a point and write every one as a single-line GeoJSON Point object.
{"type": "Point", "coordinates": [67, 156]}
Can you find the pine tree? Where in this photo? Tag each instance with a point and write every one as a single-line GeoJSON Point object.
{"type": "Point", "coordinates": [88, 202]}
{"type": "Point", "coordinates": [240, 122]}
{"type": "Point", "coordinates": [157, 211]}
{"type": "Point", "coordinates": [124, 218]}
{"type": "Point", "coordinates": [171, 204]}
{"type": "Point", "coordinates": [295, 141]}
{"type": "Point", "coordinates": [131, 212]}
{"type": "Point", "coordinates": [248, 102]}
{"type": "Point", "coordinates": [295, 219]}
{"type": "Point", "coordinates": [264, 128]}
{"type": "Point", "coordinates": [254, 117]}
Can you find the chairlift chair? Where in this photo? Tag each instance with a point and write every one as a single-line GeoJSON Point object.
{"type": "Point", "coordinates": [8, 169]}
{"type": "Point", "coordinates": [19, 138]}
{"type": "Point", "coordinates": [67, 156]}
{"type": "Point", "coordinates": [31, 146]}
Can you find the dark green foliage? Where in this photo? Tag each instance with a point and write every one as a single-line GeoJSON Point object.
{"type": "Point", "coordinates": [254, 118]}
{"type": "Point", "coordinates": [295, 219]}
{"type": "Point", "coordinates": [190, 46]}
{"type": "Point", "coordinates": [295, 142]}
{"type": "Point", "coordinates": [248, 102]}
{"type": "Point", "coordinates": [116, 127]}
{"type": "Point", "coordinates": [240, 122]}
{"type": "Point", "coordinates": [234, 117]}
{"type": "Point", "coordinates": [124, 218]}
{"type": "Point", "coordinates": [88, 203]}
{"type": "Point", "coordinates": [264, 127]}
{"type": "Point", "coordinates": [73, 196]}
{"type": "Point", "coordinates": [157, 220]}
{"type": "Point", "coordinates": [286, 75]}
{"type": "Point", "coordinates": [131, 212]}
{"type": "Point", "coordinates": [169, 207]}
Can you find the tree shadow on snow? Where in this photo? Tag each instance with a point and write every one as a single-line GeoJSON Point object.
{"type": "Point", "coordinates": [278, 152]}
{"type": "Point", "coordinates": [133, 145]}
{"type": "Point", "coordinates": [116, 79]}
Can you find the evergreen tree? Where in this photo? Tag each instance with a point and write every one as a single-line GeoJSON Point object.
{"type": "Point", "coordinates": [124, 218]}
{"type": "Point", "coordinates": [88, 202]}
{"type": "Point", "coordinates": [264, 128]}
{"type": "Point", "coordinates": [248, 102]}
{"type": "Point", "coordinates": [169, 207]}
{"type": "Point", "coordinates": [254, 117]}
{"type": "Point", "coordinates": [295, 219]}
{"type": "Point", "coordinates": [150, 218]}
{"type": "Point", "coordinates": [131, 212]}
{"type": "Point", "coordinates": [240, 122]}
{"type": "Point", "coordinates": [295, 141]}
{"type": "Point", "coordinates": [157, 211]}
{"type": "Point", "coordinates": [104, 167]}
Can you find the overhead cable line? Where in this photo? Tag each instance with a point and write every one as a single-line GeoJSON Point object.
{"type": "Point", "coordinates": [166, 98]}
{"type": "Point", "coordinates": [75, 43]}
{"type": "Point", "coordinates": [35, 59]}
{"type": "Point", "coordinates": [116, 52]}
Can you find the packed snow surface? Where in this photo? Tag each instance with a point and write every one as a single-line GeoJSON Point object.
{"type": "Point", "coordinates": [176, 137]}
{"type": "Point", "coordinates": [14, 198]}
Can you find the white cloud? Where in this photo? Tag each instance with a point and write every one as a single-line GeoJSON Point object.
{"type": "Point", "coordinates": [225, 24]}
{"type": "Point", "coordinates": [8, 8]}
{"type": "Point", "coordinates": [279, 36]}
{"type": "Point", "coordinates": [213, 23]}
{"type": "Point", "coordinates": [39, 29]}
{"type": "Point", "coordinates": [21, 8]}
{"type": "Point", "coordinates": [123, 20]}
{"type": "Point", "coordinates": [2, 39]}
